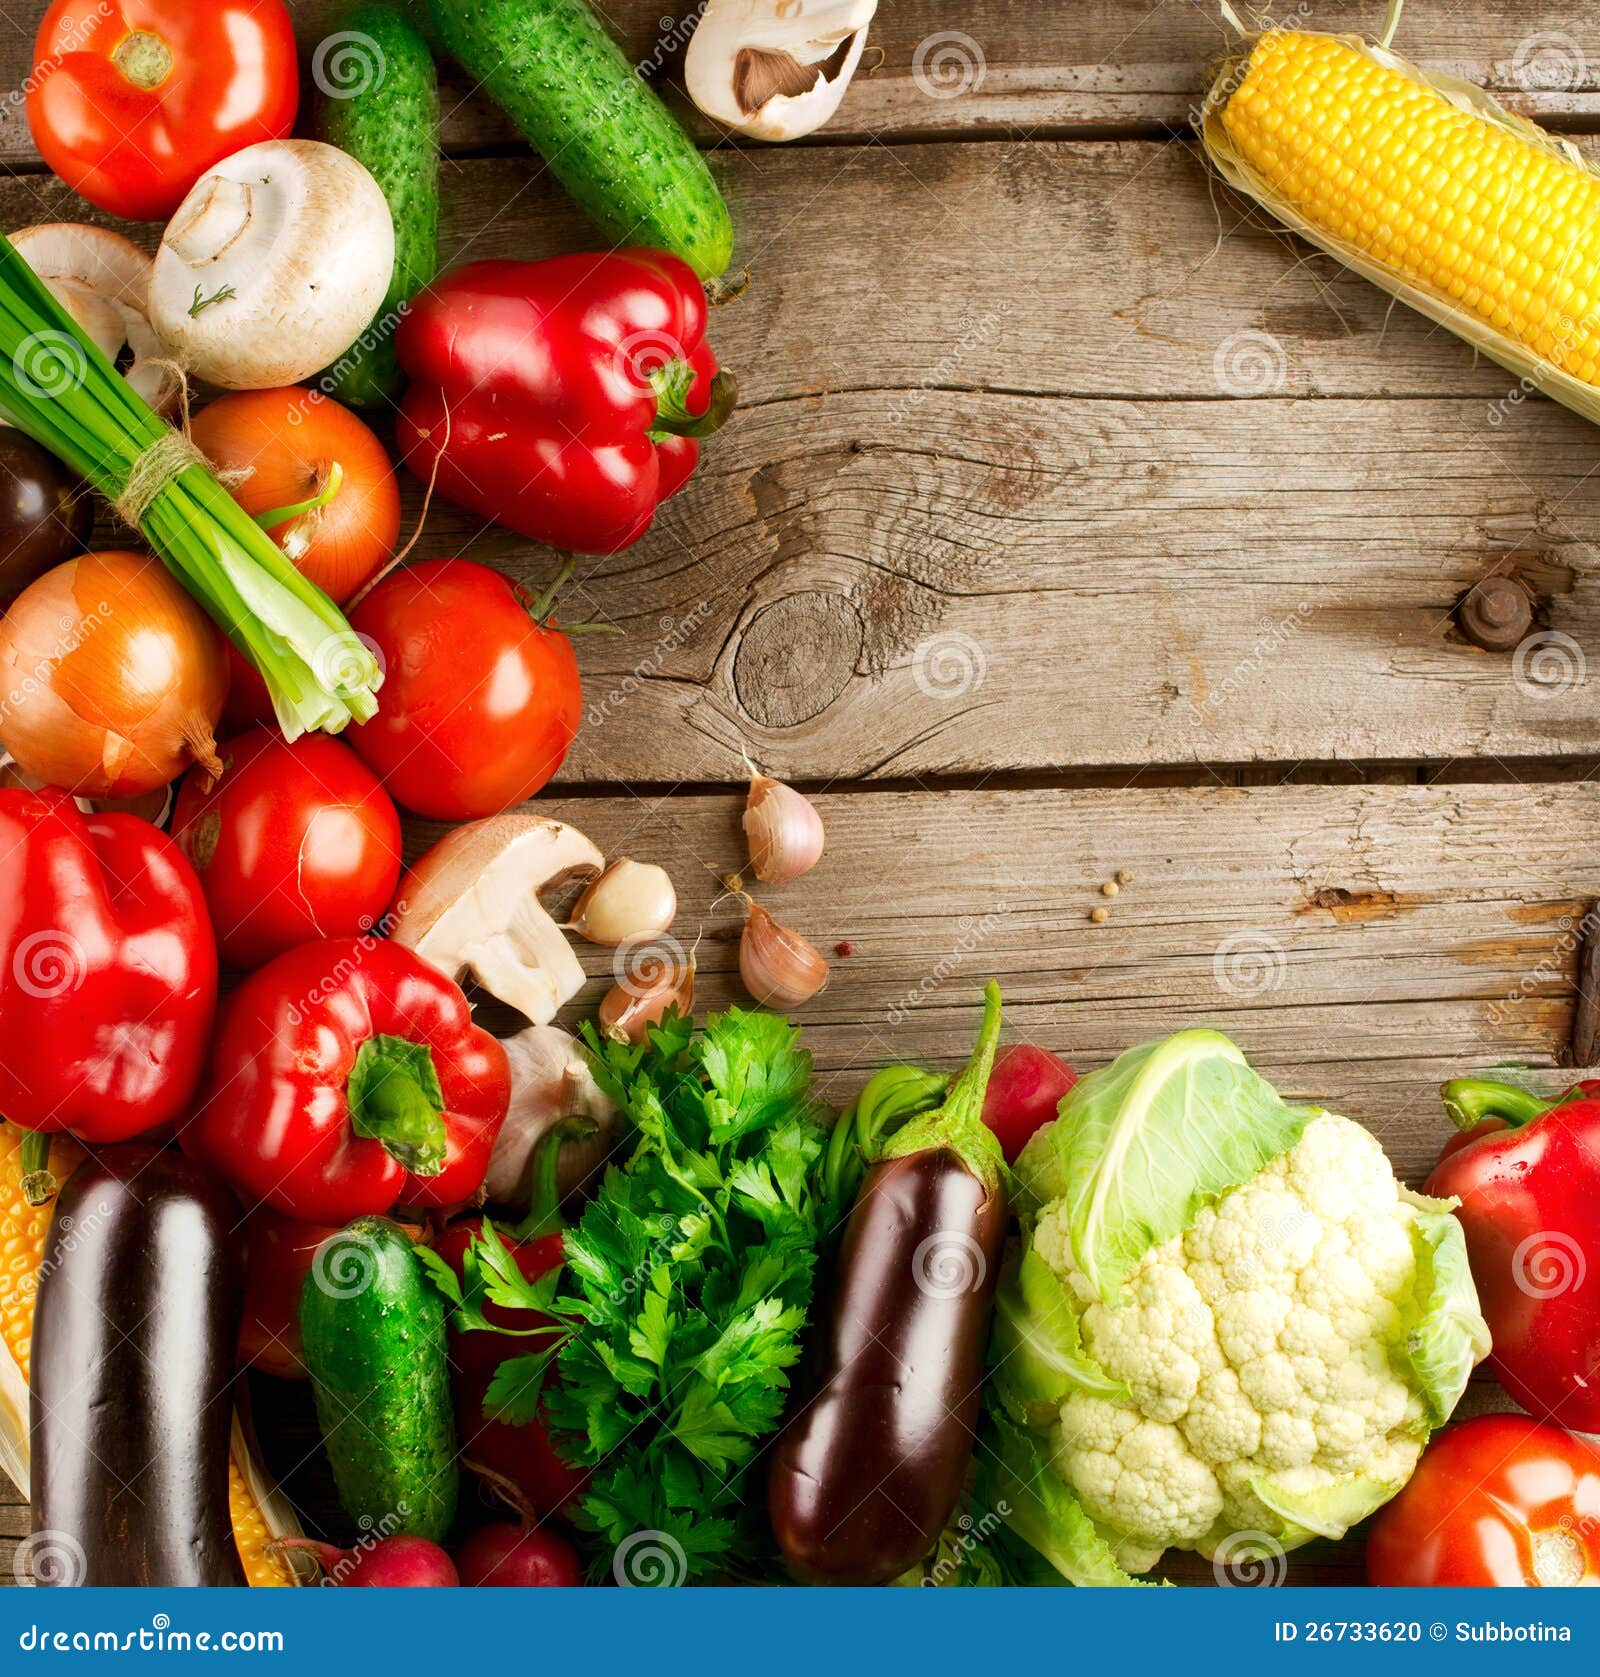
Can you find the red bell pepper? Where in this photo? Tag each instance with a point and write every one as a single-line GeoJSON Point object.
{"type": "Point", "coordinates": [1528, 1178]}
{"type": "Point", "coordinates": [109, 975]}
{"type": "Point", "coordinates": [132, 101]}
{"type": "Point", "coordinates": [563, 398]}
{"type": "Point", "coordinates": [347, 1078]}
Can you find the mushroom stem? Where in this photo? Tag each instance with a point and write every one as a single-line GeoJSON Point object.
{"type": "Point", "coordinates": [219, 220]}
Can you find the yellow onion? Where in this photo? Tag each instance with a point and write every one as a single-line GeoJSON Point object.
{"type": "Point", "coordinates": [111, 678]}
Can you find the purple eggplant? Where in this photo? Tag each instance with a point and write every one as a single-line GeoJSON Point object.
{"type": "Point", "coordinates": [872, 1460]}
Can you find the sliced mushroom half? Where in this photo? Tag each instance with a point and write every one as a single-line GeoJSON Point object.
{"type": "Point", "coordinates": [103, 282]}
{"type": "Point", "coordinates": [775, 69]}
{"type": "Point", "coordinates": [550, 1082]}
{"type": "Point", "coordinates": [472, 904]}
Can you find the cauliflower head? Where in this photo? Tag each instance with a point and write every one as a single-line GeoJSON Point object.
{"type": "Point", "coordinates": [1230, 1327]}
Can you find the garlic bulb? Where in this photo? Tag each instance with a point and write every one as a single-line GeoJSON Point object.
{"type": "Point", "coordinates": [629, 900]}
{"type": "Point", "coordinates": [778, 967]}
{"type": "Point", "coordinates": [783, 830]}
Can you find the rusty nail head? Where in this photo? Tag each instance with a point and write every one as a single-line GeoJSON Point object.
{"type": "Point", "coordinates": [1497, 613]}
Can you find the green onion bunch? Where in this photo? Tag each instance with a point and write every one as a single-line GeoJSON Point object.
{"type": "Point", "coordinates": [60, 389]}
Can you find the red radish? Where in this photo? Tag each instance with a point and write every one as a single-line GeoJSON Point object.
{"type": "Point", "coordinates": [387, 1563]}
{"type": "Point", "coordinates": [1025, 1089]}
{"type": "Point", "coordinates": [524, 1555]}
{"type": "Point", "coordinates": [518, 1558]}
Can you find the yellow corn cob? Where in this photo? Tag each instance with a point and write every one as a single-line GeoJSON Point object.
{"type": "Point", "coordinates": [23, 1229]}
{"type": "Point", "coordinates": [1470, 208]}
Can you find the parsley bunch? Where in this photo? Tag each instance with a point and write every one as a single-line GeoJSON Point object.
{"type": "Point", "coordinates": [687, 1284]}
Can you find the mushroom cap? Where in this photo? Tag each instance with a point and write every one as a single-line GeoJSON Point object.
{"type": "Point", "coordinates": [472, 904]}
{"type": "Point", "coordinates": [274, 265]}
{"type": "Point", "coordinates": [103, 282]}
{"type": "Point", "coordinates": [775, 71]}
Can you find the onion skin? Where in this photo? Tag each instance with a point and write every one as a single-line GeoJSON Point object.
{"type": "Point", "coordinates": [287, 440]}
{"type": "Point", "coordinates": [111, 677]}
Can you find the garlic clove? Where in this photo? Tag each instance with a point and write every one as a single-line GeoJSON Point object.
{"type": "Point", "coordinates": [775, 69]}
{"type": "Point", "coordinates": [777, 966]}
{"type": "Point", "coordinates": [649, 985]}
{"type": "Point", "coordinates": [629, 900]}
{"type": "Point", "coordinates": [783, 830]}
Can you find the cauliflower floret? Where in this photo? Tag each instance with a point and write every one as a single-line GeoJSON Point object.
{"type": "Point", "coordinates": [1135, 1475]}
{"type": "Point", "coordinates": [1262, 1351]}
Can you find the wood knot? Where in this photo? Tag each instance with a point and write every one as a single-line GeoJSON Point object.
{"type": "Point", "coordinates": [797, 656]}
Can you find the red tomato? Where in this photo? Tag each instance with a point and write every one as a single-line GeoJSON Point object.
{"type": "Point", "coordinates": [480, 699]}
{"type": "Point", "coordinates": [522, 1454]}
{"type": "Point", "coordinates": [278, 1254]}
{"type": "Point", "coordinates": [1502, 1499]}
{"type": "Point", "coordinates": [294, 842]}
{"type": "Point", "coordinates": [1025, 1089]}
{"type": "Point", "coordinates": [132, 101]}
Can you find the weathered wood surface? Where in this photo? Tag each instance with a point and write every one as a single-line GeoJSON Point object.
{"type": "Point", "coordinates": [1000, 68]}
{"type": "Point", "coordinates": [995, 501]}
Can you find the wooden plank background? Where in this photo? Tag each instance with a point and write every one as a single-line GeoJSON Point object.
{"type": "Point", "coordinates": [1074, 521]}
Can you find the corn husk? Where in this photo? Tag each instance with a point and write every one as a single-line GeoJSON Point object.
{"type": "Point", "coordinates": [1535, 372]}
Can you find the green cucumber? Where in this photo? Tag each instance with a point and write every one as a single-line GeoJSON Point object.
{"type": "Point", "coordinates": [373, 1327]}
{"type": "Point", "coordinates": [606, 136]}
{"type": "Point", "coordinates": [381, 104]}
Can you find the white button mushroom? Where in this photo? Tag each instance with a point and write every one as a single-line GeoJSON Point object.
{"type": "Point", "coordinates": [775, 69]}
{"type": "Point", "coordinates": [103, 282]}
{"type": "Point", "coordinates": [273, 266]}
{"type": "Point", "coordinates": [472, 904]}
